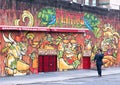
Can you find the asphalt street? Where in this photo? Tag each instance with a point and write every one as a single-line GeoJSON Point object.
{"type": "Point", "coordinates": [95, 80]}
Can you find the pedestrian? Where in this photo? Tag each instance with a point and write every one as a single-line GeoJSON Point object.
{"type": "Point", "coordinates": [98, 59]}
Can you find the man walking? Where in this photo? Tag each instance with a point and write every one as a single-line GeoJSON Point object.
{"type": "Point", "coordinates": [98, 59]}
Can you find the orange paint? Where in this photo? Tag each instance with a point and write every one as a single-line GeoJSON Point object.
{"type": "Point", "coordinates": [18, 38]}
{"type": "Point", "coordinates": [27, 59]}
{"type": "Point", "coordinates": [118, 53]}
{"type": "Point", "coordinates": [35, 63]}
{"type": "Point", "coordinates": [2, 65]}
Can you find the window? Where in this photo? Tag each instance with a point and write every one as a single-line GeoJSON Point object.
{"type": "Point", "coordinates": [94, 2]}
{"type": "Point", "coordinates": [86, 2]}
{"type": "Point", "coordinates": [75, 1]}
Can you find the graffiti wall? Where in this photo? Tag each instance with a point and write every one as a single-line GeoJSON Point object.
{"type": "Point", "coordinates": [19, 49]}
{"type": "Point", "coordinates": [104, 34]}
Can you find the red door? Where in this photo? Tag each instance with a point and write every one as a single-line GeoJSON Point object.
{"type": "Point", "coordinates": [47, 63]}
{"type": "Point", "coordinates": [40, 63]}
{"type": "Point", "coordinates": [53, 63]}
{"type": "Point", "coordinates": [86, 62]}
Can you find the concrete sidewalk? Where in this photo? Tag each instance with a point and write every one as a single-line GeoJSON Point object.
{"type": "Point", "coordinates": [56, 76]}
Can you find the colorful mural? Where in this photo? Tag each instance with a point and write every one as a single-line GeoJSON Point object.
{"type": "Point", "coordinates": [109, 45]}
{"type": "Point", "coordinates": [20, 53]}
{"type": "Point", "coordinates": [72, 19]}
{"type": "Point", "coordinates": [22, 21]}
{"type": "Point", "coordinates": [70, 52]}
{"type": "Point", "coordinates": [91, 22]}
{"type": "Point", "coordinates": [108, 41]}
{"type": "Point", "coordinates": [20, 49]}
{"type": "Point", "coordinates": [47, 16]}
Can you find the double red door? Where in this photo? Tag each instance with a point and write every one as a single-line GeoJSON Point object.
{"type": "Point", "coordinates": [47, 63]}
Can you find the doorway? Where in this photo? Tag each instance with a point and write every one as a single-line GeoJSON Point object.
{"type": "Point", "coordinates": [47, 63]}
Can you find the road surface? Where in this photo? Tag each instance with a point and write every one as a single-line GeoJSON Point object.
{"type": "Point", "coordinates": [104, 80]}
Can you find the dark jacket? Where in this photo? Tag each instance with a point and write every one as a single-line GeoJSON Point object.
{"type": "Point", "coordinates": [98, 58]}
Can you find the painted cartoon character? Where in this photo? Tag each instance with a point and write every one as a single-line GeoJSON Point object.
{"type": "Point", "coordinates": [68, 56]}
{"type": "Point", "coordinates": [109, 45]}
{"type": "Point", "coordinates": [14, 65]}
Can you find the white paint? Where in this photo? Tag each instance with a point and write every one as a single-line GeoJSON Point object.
{"type": "Point", "coordinates": [114, 4]}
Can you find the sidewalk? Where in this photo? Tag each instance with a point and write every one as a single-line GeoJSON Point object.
{"type": "Point", "coordinates": [56, 76]}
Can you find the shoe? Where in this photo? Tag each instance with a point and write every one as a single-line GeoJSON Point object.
{"type": "Point", "coordinates": [99, 75]}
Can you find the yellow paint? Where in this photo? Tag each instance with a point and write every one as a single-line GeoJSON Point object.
{"type": "Point", "coordinates": [22, 66]}
{"type": "Point", "coordinates": [62, 65]}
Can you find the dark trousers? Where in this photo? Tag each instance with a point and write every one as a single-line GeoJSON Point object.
{"type": "Point", "coordinates": [99, 69]}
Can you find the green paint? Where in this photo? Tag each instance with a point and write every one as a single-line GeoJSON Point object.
{"type": "Point", "coordinates": [92, 22]}
{"type": "Point", "coordinates": [47, 16]}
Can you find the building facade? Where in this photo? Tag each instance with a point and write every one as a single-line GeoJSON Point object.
{"type": "Point", "coordinates": [37, 36]}
{"type": "Point", "coordinates": [110, 4]}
